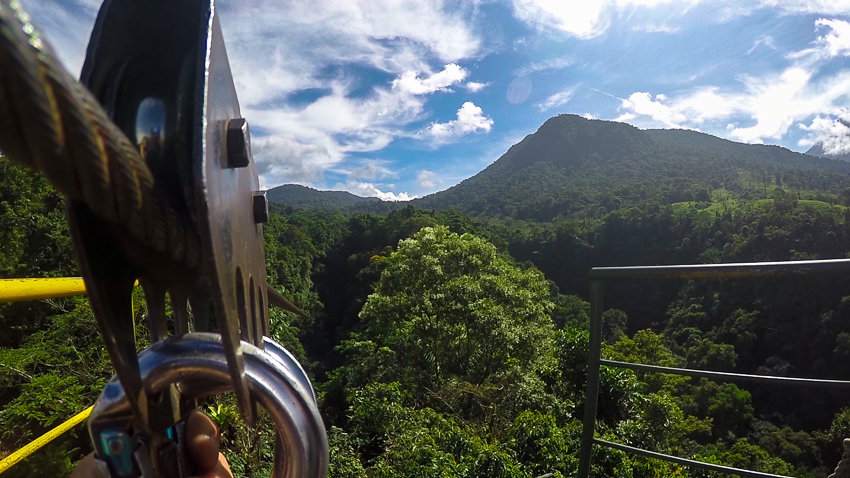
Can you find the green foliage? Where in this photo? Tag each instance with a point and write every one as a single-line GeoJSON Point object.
{"type": "Point", "coordinates": [442, 345]}
{"type": "Point", "coordinates": [453, 321]}
{"type": "Point", "coordinates": [544, 447]}
{"type": "Point", "coordinates": [249, 451]}
{"type": "Point", "coordinates": [302, 196]}
{"type": "Point", "coordinates": [648, 348]}
{"type": "Point", "coordinates": [742, 454]}
{"type": "Point", "coordinates": [789, 445]}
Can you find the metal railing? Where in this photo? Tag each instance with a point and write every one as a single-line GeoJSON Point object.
{"type": "Point", "coordinates": [18, 290]}
{"type": "Point", "coordinates": [599, 275]}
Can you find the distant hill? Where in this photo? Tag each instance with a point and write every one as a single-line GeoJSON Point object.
{"type": "Point", "coordinates": [817, 150]}
{"type": "Point", "coordinates": [575, 167]}
{"type": "Point", "coordinates": [302, 196]}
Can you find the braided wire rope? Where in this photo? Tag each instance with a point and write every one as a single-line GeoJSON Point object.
{"type": "Point", "coordinates": [52, 123]}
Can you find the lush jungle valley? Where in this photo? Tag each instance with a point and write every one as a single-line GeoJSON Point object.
{"type": "Point", "coordinates": [448, 336]}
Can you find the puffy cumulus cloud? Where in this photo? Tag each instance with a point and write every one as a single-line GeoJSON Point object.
{"type": "Point", "coordinates": [475, 87]}
{"type": "Point", "coordinates": [558, 99]}
{"type": "Point", "coordinates": [833, 134]}
{"type": "Point", "coordinates": [642, 103]}
{"type": "Point", "coordinates": [425, 179]}
{"type": "Point", "coordinates": [370, 190]}
{"type": "Point", "coordinates": [470, 119]}
{"type": "Point", "coordinates": [767, 106]}
{"type": "Point", "coordinates": [340, 124]}
{"type": "Point", "coordinates": [837, 41]}
{"type": "Point", "coordinates": [283, 160]}
{"type": "Point", "coordinates": [409, 81]}
{"type": "Point", "coordinates": [280, 49]}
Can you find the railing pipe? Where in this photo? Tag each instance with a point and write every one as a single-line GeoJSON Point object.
{"type": "Point", "coordinates": [17, 290]}
{"type": "Point", "coordinates": [687, 462]}
{"type": "Point", "coordinates": [592, 394]}
{"type": "Point", "coordinates": [742, 270]}
{"type": "Point", "coordinates": [598, 276]}
{"type": "Point", "coordinates": [732, 377]}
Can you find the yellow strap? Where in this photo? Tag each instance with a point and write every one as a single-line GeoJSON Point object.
{"type": "Point", "coordinates": [15, 290]}
{"type": "Point", "coordinates": [39, 442]}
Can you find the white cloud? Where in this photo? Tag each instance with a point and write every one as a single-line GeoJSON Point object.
{"type": "Point", "coordinates": [625, 117]}
{"type": "Point", "coordinates": [283, 160]}
{"type": "Point", "coordinates": [833, 134]}
{"type": "Point", "coordinates": [373, 169]}
{"type": "Point", "coordinates": [277, 49]}
{"type": "Point", "coordinates": [470, 119]}
{"type": "Point", "coordinates": [342, 124]}
{"type": "Point", "coordinates": [837, 41]}
{"type": "Point", "coordinates": [558, 99]}
{"type": "Point", "coordinates": [589, 116]}
{"type": "Point", "coordinates": [425, 179]}
{"type": "Point", "coordinates": [588, 19]}
{"type": "Point", "coordinates": [584, 19]}
{"type": "Point", "coordinates": [642, 103]}
{"type": "Point", "coordinates": [67, 26]}
{"type": "Point", "coordinates": [558, 63]}
{"type": "Point", "coordinates": [366, 189]}
{"type": "Point", "coordinates": [409, 81]}
{"type": "Point", "coordinates": [767, 106]}
{"type": "Point", "coordinates": [475, 87]}
{"type": "Point", "coordinates": [820, 7]}
{"type": "Point", "coordinates": [310, 44]}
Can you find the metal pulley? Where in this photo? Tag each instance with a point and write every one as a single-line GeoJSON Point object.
{"type": "Point", "coordinates": [161, 72]}
{"type": "Point", "coordinates": [160, 186]}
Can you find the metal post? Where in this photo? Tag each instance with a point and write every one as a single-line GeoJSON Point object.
{"type": "Point", "coordinates": [592, 394]}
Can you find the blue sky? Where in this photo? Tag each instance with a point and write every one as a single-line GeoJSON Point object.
{"type": "Point", "coordinates": [401, 99]}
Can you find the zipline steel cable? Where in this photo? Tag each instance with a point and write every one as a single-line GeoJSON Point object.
{"type": "Point", "coordinates": [52, 123]}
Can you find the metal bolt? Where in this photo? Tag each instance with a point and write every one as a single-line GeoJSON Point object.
{"type": "Point", "coordinates": [116, 445]}
{"type": "Point", "coordinates": [261, 207]}
{"type": "Point", "coordinates": [238, 143]}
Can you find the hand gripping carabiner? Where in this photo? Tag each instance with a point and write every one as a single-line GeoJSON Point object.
{"type": "Point", "coordinates": [197, 364]}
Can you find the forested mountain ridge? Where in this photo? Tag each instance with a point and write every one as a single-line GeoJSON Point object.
{"type": "Point", "coordinates": [303, 196]}
{"type": "Point", "coordinates": [817, 150]}
{"type": "Point", "coordinates": [574, 167]}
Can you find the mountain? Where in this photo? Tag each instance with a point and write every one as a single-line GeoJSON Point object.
{"type": "Point", "coordinates": [575, 167]}
{"type": "Point", "coordinates": [302, 196]}
{"type": "Point", "coordinates": [817, 150]}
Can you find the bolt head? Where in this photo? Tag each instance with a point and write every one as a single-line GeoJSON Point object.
{"type": "Point", "coordinates": [116, 446]}
{"type": "Point", "coordinates": [238, 142]}
{"type": "Point", "coordinates": [261, 207]}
